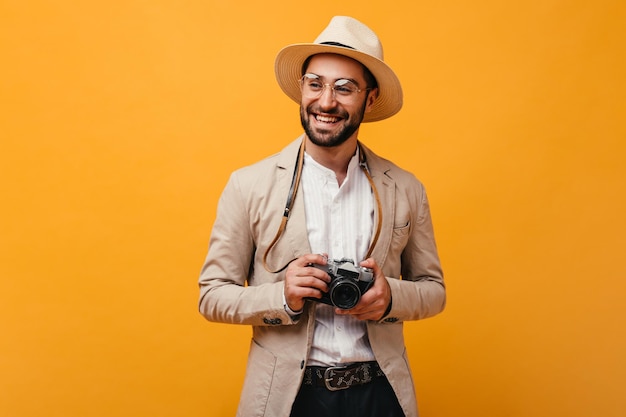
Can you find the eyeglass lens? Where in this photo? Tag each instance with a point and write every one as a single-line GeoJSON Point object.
{"type": "Point", "coordinates": [313, 85]}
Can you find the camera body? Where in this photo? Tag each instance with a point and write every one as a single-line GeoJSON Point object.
{"type": "Point", "coordinates": [347, 283]}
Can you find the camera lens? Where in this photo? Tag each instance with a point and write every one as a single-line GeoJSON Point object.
{"type": "Point", "coordinates": [344, 294]}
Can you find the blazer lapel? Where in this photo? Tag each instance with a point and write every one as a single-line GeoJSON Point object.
{"type": "Point", "coordinates": [386, 190]}
{"type": "Point", "coordinates": [295, 241]}
{"type": "Point", "coordinates": [296, 232]}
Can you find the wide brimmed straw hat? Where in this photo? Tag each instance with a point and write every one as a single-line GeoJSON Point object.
{"type": "Point", "coordinates": [349, 37]}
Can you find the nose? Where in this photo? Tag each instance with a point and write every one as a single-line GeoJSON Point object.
{"type": "Point", "coordinates": [327, 96]}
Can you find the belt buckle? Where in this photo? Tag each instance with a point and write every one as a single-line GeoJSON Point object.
{"type": "Point", "coordinates": [328, 379]}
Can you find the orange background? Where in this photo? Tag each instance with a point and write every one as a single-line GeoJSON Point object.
{"type": "Point", "coordinates": [120, 122]}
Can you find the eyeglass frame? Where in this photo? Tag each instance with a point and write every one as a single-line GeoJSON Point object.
{"type": "Point", "coordinates": [333, 86]}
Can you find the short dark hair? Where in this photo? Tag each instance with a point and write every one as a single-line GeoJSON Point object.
{"type": "Point", "coordinates": [370, 80]}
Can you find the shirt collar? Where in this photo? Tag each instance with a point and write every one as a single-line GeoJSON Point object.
{"type": "Point", "coordinates": [323, 172]}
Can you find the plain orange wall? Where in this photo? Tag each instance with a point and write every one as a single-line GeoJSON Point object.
{"type": "Point", "coordinates": [120, 122]}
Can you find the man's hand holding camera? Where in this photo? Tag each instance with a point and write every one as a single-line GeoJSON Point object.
{"type": "Point", "coordinates": [374, 302]}
{"type": "Point", "coordinates": [303, 281]}
{"type": "Point", "coordinates": [361, 291]}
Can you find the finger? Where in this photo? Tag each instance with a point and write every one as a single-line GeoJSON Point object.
{"type": "Point", "coordinates": [298, 289]}
{"type": "Point", "coordinates": [300, 292]}
{"type": "Point", "coordinates": [370, 307]}
{"type": "Point", "coordinates": [370, 263]}
{"type": "Point", "coordinates": [310, 281]}
{"type": "Point", "coordinates": [312, 258]}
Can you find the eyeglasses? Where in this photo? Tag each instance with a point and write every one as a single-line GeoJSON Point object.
{"type": "Point", "coordinates": [343, 89]}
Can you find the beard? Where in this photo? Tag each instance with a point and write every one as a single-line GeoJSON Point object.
{"type": "Point", "coordinates": [325, 137]}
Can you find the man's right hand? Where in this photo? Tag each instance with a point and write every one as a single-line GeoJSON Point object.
{"type": "Point", "coordinates": [303, 281]}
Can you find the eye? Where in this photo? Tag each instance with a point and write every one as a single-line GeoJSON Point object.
{"type": "Point", "coordinates": [345, 87]}
{"type": "Point", "coordinates": [312, 82]}
{"type": "Point", "coordinates": [314, 85]}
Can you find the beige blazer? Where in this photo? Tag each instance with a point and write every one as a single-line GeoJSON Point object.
{"type": "Point", "coordinates": [235, 287]}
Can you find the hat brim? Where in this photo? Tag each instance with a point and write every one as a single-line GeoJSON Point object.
{"type": "Point", "coordinates": [288, 70]}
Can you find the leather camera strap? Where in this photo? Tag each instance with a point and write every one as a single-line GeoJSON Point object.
{"type": "Point", "coordinates": [293, 190]}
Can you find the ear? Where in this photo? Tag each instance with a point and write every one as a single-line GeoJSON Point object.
{"type": "Point", "coordinates": [372, 96]}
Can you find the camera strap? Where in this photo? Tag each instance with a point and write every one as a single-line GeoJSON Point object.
{"type": "Point", "coordinates": [379, 206]}
{"type": "Point", "coordinates": [291, 196]}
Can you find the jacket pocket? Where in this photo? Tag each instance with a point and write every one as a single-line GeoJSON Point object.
{"type": "Point", "coordinates": [402, 228]}
{"type": "Point", "coordinates": [400, 235]}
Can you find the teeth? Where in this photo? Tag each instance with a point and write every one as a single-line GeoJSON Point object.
{"type": "Point", "coordinates": [326, 119]}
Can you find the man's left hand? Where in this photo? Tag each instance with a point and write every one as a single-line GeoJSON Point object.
{"type": "Point", "coordinates": [374, 302]}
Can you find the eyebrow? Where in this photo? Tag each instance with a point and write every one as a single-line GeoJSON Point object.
{"type": "Point", "coordinates": [336, 79]}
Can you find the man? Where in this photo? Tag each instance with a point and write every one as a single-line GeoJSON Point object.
{"type": "Point", "coordinates": [286, 227]}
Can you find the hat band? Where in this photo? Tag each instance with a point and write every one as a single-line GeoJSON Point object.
{"type": "Point", "coordinates": [337, 44]}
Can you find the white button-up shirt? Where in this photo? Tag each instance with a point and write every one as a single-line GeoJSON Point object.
{"type": "Point", "coordinates": [339, 221]}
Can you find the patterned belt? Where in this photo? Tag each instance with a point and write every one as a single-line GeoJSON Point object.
{"type": "Point", "coordinates": [337, 378]}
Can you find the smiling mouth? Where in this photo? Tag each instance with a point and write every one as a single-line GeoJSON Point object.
{"type": "Point", "coordinates": [326, 119]}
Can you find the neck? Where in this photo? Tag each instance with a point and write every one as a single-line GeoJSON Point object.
{"type": "Point", "coordinates": [336, 158]}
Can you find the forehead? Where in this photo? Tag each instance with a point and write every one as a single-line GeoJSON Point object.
{"type": "Point", "coordinates": [333, 66]}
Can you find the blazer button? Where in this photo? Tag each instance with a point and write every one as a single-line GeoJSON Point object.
{"type": "Point", "coordinates": [272, 322]}
{"type": "Point", "coordinates": [391, 320]}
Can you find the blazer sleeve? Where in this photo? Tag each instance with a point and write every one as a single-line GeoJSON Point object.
{"type": "Point", "coordinates": [225, 293]}
{"type": "Point", "coordinates": [421, 292]}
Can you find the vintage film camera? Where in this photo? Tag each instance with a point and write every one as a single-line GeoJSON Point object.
{"type": "Point", "coordinates": [347, 283]}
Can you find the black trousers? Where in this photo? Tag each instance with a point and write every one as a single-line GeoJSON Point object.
{"type": "Point", "coordinates": [375, 399]}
